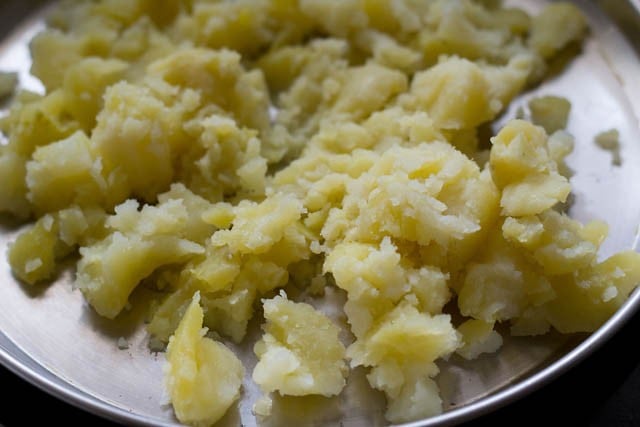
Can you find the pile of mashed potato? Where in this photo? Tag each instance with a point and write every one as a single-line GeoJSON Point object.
{"type": "Point", "coordinates": [222, 151]}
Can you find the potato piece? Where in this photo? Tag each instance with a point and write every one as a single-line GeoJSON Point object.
{"type": "Point", "coordinates": [460, 94]}
{"type": "Point", "coordinates": [555, 281]}
{"type": "Point", "coordinates": [110, 270]}
{"type": "Point", "coordinates": [610, 141]}
{"type": "Point", "coordinates": [141, 242]}
{"type": "Point", "coordinates": [429, 194]}
{"type": "Point", "coordinates": [35, 121]}
{"type": "Point", "coordinates": [13, 191]}
{"type": "Point", "coordinates": [534, 194]}
{"type": "Point", "coordinates": [84, 85]}
{"type": "Point", "coordinates": [518, 150]}
{"type": "Point", "coordinates": [402, 348]}
{"type": "Point", "coordinates": [32, 255]}
{"type": "Point", "coordinates": [317, 81]}
{"type": "Point", "coordinates": [196, 228]}
{"type": "Point", "coordinates": [231, 280]}
{"type": "Point", "coordinates": [283, 65]}
{"type": "Point", "coordinates": [388, 52]}
{"type": "Point", "coordinates": [558, 25]}
{"type": "Point", "coordinates": [220, 79]}
{"type": "Point", "coordinates": [388, 17]}
{"type": "Point", "coordinates": [224, 161]}
{"type": "Point", "coordinates": [138, 136]}
{"type": "Point", "coordinates": [418, 399]}
{"type": "Point", "coordinates": [257, 227]}
{"type": "Point", "coordinates": [81, 226]}
{"type": "Point", "coordinates": [550, 112]}
{"type": "Point", "coordinates": [337, 17]}
{"type": "Point", "coordinates": [229, 315]}
{"type": "Point", "coordinates": [501, 285]}
{"type": "Point", "coordinates": [478, 337]}
{"type": "Point", "coordinates": [376, 279]}
{"type": "Point", "coordinates": [241, 26]}
{"type": "Point", "coordinates": [587, 299]}
{"type": "Point", "coordinates": [167, 315]}
{"type": "Point", "coordinates": [53, 52]}
{"type": "Point", "coordinates": [202, 376]}
{"type": "Point", "coordinates": [215, 271]}
{"type": "Point", "coordinates": [299, 353]}
{"type": "Point", "coordinates": [559, 244]}
{"type": "Point", "coordinates": [522, 166]}
{"type": "Point", "coordinates": [320, 180]}
{"type": "Point", "coordinates": [439, 91]}
{"type": "Point", "coordinates": [327, 91]}
{"type": "Point", "coordinates": [66, 173]}
{"type": "Point", "coordinates": [473, 30]}
{"type": "Point", "coordinates": [367, 89]}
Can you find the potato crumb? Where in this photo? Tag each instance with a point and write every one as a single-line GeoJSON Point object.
{"type": "Point", "coordinates": [550, 112]}
{"type": "Point", "coordinates": [610, 141]}
{"type": "Point", "coordinates": [262, 407]}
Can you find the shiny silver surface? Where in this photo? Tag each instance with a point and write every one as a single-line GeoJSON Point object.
{"type": "Point", "coordinates": [50, 337]}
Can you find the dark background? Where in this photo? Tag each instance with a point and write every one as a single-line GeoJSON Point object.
{"type": "Point", "coordinates": [604, 390]}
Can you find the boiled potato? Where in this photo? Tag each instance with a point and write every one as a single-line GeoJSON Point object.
{"type": "Point", "coordinates": [523, 168]}
{"type": "Point", "coordinates": [203, 376]}
{"type": "Point", "coordinates": [299, 353]}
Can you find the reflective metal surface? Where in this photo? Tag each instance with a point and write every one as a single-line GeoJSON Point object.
{"type": "Point", "coordinates": [50, 337]}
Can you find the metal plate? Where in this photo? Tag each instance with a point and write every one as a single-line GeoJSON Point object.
{"type": "Point", "coordinates": [50, 336]}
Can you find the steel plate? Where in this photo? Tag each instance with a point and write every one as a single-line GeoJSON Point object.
{"type": "Point", "coordinates": [50, 336]}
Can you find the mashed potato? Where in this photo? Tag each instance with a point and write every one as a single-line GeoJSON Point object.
{"type": "Point", "coordinates": [219, 151]}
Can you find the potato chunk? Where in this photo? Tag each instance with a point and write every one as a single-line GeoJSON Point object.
{"type": "Point", "coordinates": [377, 278]}
{"type": "Point", "coordinates": [139, 243]}
{"type": "Point", "coordinates": [478, 337]}
{"type": "Point", "coordinates": [257, 227]}
{"type": "Point", "coordinates": [13, 191]}
{"type": "Point", "coordinates": [300, 352]}
{"type": "Point", "coordinates": [429, 194]}
{"type": "Point", "coordinates": [203, 377]}
{"type": "Point", "coordinates": [591, 296]}
{"type": "Point", "coordinates": [558, 25]}
{"type": "Point", "coordinates": [559, 244]}
{"type": "Point", "coordinates": [550, 112]}
{"type": "Point", "coordinates": [69, 170]}
{"type": "Point", "coordinates": [460, 94]}
{"type": "Point", "coordinates": [32, 255]}
{"type": "Point", "coordinates": [85, 83]}
{"type": "Point", "coordinates": [137, 136]}
{"type": "Point", "coordinates": [402, 348]}
{"type": "Point", "coordinates": [522, 166]}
